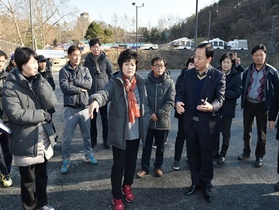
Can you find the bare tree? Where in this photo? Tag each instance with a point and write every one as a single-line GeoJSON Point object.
{"type": "Point", "coordinates": [10, 6]}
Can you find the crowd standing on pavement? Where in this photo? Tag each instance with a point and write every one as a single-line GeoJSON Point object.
{"type": "Point", "coordinates": [204, 99]}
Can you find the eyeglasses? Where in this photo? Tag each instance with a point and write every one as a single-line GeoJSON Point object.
{"type": "Point", "coordinates": [159, 66]}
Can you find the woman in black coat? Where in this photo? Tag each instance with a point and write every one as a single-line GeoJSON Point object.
{"type": "Point", "coordinates": [232, 93]}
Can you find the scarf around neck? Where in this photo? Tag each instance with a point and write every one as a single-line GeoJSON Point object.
{"type": "Point", "coordinates": [133, 107]}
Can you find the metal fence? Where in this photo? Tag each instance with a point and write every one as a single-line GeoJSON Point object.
{"type": "Point", "coordinates": [8, 47]}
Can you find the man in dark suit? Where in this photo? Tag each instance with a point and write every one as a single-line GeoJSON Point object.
{"type": "Point", "coordinates": [200, 97]}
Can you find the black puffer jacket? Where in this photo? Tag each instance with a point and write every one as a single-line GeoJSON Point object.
{"type": "Point", "coordinates": [99, 78]}
{"type": "Point", "coordinates": [232, 93]}
{"type": "Point", "coordinates": [161, 95]}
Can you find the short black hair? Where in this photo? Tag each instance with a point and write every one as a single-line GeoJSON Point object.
{"type": "Point", "coordinates": [209, 50]}
{"type": "Point", "coordinates": [157, 58]}
{"type": "Point", "coordinates": [259, 47]}
{"type": "Point", "coordinates": [2, 53]}
{"type": "Point", "coordinates": [127, 55]}
{"type": "Point", "coordinates": [227, 55]}
{"type": "Point", "coordinates": [94, 41]}
{"type": "Point", "coordinates": [190, 60]}
{"type": "Point", "coordinates": [73, 48]}
{"type": "Point", "coordinates": [23, 55]}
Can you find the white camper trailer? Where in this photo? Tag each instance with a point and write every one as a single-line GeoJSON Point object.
{"type": "Point", "coordinates": [217, 43]}
{"type": "Point", "coordinates": [238, 44]}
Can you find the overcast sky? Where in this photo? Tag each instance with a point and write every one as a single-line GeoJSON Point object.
{"type": "Point", "coordinates": [147, 16]}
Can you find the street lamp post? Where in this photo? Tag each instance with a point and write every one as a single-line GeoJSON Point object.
{"type": "Point", "coordinates": [196, 23]}
{"type": "Point", "coordinates": [134, 4]}
{"type": "Point", "coordinates": [272, 33]}
{"type": "Point", "coordinates": [31, 23]}
{"type": "Point", "coordinates": [209, 26]}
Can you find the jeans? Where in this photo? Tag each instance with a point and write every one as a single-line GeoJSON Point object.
{"type": "Point", "coordinates": [160, 138]}
{"type": "Point", "coordinates": [123, 161]}
{"type": "Point", "coordinates": [72, 118]}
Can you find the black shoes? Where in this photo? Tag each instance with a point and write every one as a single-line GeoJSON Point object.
{"type": "Point", "coordinates": [259, 162]}
{"type": "Point", "coordinates": [208, 195]}
{"type": "Point", "coordinates": [191, 190]}
{"type": "Point", "coordinates": [207, 192]}
{"type": "Point", "coordinates": [243, 157]}
{"type": "Point", "coordinates": [106, 145]}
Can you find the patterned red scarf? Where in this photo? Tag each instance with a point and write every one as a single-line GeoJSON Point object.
{"type": "Point", "coordinates": [133, 107]}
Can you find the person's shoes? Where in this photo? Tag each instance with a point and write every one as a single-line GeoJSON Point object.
{"type": "Point", "coordinates": [56, 137]}
{"type": "Point", "coordinates": [6, 180]}
{"type": "Point", "coordinates": [276, 186]}
{"type": "Point", "coordinates": [191, 190]}
{"type": "Point", "coordinates": [93, 144]}
{"type": "Point", "coordinates": [106, 145]}
{"type": "Point", "coordinates": [117, 204]}
{"type": "Point", "coordinates": [46, 207]}
{"type": "Point", "coordinates": [159, 172]}
{"type": "Point", "coordinates": [243, 157]}
{"type": "Point", "coordinates": [128, 194]}
{"type": "Point", "coordinates": [65, 166]}
{"type": "Point", "coordinates": [154, 146]}
{"type": "Point", "coordinates": [175, 165]}
{"type": "Point", "coordinates": [221, 160]}
{"type": "Point", "coordinates": [216, 155]}
{"type": "Point", "coordinates": [166, 141]}
{"type": "Point", "coordinates": [208, 195]}
{"type": "Point", "coordinates": [259, 162]}
{"type": "Point", "coordinates": [141, 174]}
{"type": "Point", "coordinates": [91, 160]}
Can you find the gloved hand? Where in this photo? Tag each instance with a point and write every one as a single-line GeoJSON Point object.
{"type": "Point", "coordinates": [47, 116]}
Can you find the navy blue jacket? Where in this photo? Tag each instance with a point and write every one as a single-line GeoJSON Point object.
{"type": "Point", "coordinates": [213, 89]}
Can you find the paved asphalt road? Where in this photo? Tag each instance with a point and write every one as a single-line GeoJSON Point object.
{"type": "Point", "coordinates": [237, 185]}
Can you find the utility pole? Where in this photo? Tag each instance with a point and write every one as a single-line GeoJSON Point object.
{"type": "Point", "coordinates": [31, 24]}
{"type": "Point", "coordinates": [134, 4]}
{"type": "Point", "coordinates": [196, 23]}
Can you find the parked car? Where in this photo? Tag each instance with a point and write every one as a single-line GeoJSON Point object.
{"type": "Point", "coordinates": [149, 46]}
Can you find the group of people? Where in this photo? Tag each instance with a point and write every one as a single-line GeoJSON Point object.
{"type": "Point", "coordinates": [204, 99]}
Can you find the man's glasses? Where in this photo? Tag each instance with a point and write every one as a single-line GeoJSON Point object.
{"type": "Point", "coordinates": [159, 66]}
